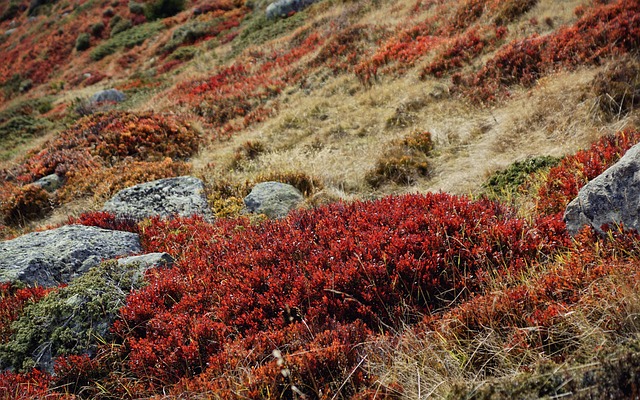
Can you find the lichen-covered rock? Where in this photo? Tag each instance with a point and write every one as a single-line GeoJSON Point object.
{"type": "Point", "coordinates": [49, 183]}
{"type": "Point", "coordinates": [182, 196]}
{"type": "Point", "coordinates": [110, 95]}
{"type": "Point", "coordinates": [274, 199]}
{"type": "Point", "coordinates": [611, 198]}
{"type": "Point", "coordinates": [73, 319]}
{"type": "Point", "coordinates": [282, 8]}
{"type": "Point", "coordinates": [59, 255]}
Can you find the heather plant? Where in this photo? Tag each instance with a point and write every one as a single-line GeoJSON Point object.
{"type": "Point", "coordinates": [102, 184]}
{"type": "Point", "coordinates": [23, 204]}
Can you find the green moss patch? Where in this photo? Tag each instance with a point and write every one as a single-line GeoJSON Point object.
{"type": "Point", "coordinates": [71, 320]}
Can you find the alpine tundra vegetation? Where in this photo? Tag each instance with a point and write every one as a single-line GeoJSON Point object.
{"type": "Point", "coordinates": [319, 199]}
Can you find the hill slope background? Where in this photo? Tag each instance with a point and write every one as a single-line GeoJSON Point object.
{"type": "Point", "coordinates": [375, 291]}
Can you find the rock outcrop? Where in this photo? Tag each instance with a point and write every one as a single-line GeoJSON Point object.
{"type": "Point", "coordinates": [74, 319]}
{"type": "Point", "coordinates": [49, 183]}
{"type": "Point", "coordinates": [182, 196]}
{"type": "Point", "coordinates": [282, 8]}
{"type": "Point", "coordinates": [274, 199]}
{"type": "Point", "coordinates": [108, 95]}
{"type": "Point", "coordinates": [59, 255]}
{"type": "Point", "coordinates": [611, 198]}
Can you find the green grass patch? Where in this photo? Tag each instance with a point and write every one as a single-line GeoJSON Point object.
{"type": "Point", "coordinates": [503, 184]}
{"type": "Point", "coordinates": [127, 39]}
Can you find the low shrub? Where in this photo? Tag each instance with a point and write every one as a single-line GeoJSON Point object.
{"type": "Point", "coordinates": [102, 184]}
{"type": "Point", "coordinates": [618, 87]}
{"type": "Point", "coordinates": [83, 42]}
{"type": "Point", "coordinates": [238, 291]}
{"type": "Point", "coordinates": [157, 9]}
{"type": "Point", "coordinates": [97, 29]}
{"type": "Point", "coordinates": [107, 139]}
{"type": "Point", "coordinates": [122, 25]}
{"type": "Point", "coordinates": [404, 162]}
{"type": "Point", "coordinates": [126, 39]}
{"type": "Point", "coordinates": [507, 181]}
{"type": "Point", "coordinates": [306, 184]}
{"type": "Point", "coordinates": [25, 204]}
{"type": "Point", "coordinates": [248, 151]}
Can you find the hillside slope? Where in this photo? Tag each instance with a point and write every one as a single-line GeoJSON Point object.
{"type": "Point", "coordinates": [381, 288]}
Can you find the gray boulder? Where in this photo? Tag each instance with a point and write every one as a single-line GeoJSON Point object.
{"type": "Point", "coordinates": [110, 95]}
{"type": "Point", "coordinates": [49, 183]}
{"type": "Point", "coordinates": [73, 319]}
{"type": "Point", "coordinates": [274, 199]}
{"type": "Point", "coordinates": [611, 198]}
{"type": "Point", "coordinates": [183, 196]}
{"type": "Point", "coordinates": [59, 255]}
{"type": "Point", "coordinates": [282, 8]}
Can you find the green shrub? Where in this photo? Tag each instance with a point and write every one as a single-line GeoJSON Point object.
{"type": "Point", "coordinates": [121, 26]}
{"type": "Point", "coordinates": [159, 9]}
{"type": "Point", "coordinates": [260, 29]}
{"type": "Point", "coordinates": [97, 29]}
{"type": "Point", "coordinates": [136, 8]}
{"type": "Point", "coordinates": [507, 181]}
{"type": "Point", "coordinates": [10, 12]}
{"type": "Point", "coordinates": [129, 38]}
{"type": "Point", "coordinates": [184, 53]}
{"type": "Point", "coordinates": [187, 34]}
{"type": "Point", "coordinates": [83, 42]}
{"type": "Point", "coordinates": [21, 123]}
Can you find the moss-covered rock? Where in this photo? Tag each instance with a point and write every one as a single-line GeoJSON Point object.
{"type": "Point", "coordinates": [72, 319]}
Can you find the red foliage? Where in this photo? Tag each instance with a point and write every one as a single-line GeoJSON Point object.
{"type": "Point", "coordinates": [32, 385]}
{"type": "Point", "coordinates": [605, 30]}
{"type": "Point", "coordinates": [105, 220]}
{"type": "Point", "coordinates": [463, 49]}
{"type": "Point", "coordinates": [527, 313]}
{"type": "Point", "coordinates": [565, 180]}
{"type": "Point", "coordinates": [12, 301]}
{"type": "Point", "coordinates": [234, 283]}
{"type": "Point", "coordinates": [109, 138]}
{"type": "Point", "coordinates": [241, 90]}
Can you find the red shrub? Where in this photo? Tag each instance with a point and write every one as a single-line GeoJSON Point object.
{"type": "Point", "coordinates": [233, 283]}
{"type": "Point", "coordinates": [528, 313]}
{"type": "Point", "coordinates": [565, 180]}
{"type": "Point", "coordinates": [603, 31]}
{"type": "Point", "coordinates": [109, 138]}
{"type": "Point", "coordinates": [105, 220]}
{"type": "Point", "coordinates": [12, 301]}
{"type": "Point", "coordinates": [32, 385]}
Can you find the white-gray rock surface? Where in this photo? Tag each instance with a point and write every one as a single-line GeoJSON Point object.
{"type": "Point", "coordinates": [611, 198]}
{"type": "Point", "coordinates": [282, 8]}
{"type": "Point", "coordinates": [59, 255]}
{"type": "Point", "coordinates": [274, 199]}
{"type": "Point", "coordinates": [49, 183]}
{"type": "Point", "coordinates": [182, 196]}
{"type": "Point", "coordinates": [111, 95]}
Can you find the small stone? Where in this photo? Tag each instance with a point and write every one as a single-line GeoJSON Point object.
{"type": "Point", "coordinates": [274, 199]}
